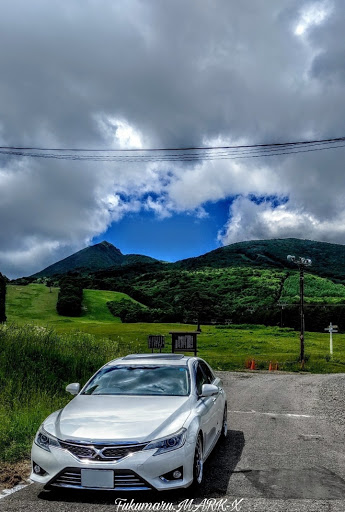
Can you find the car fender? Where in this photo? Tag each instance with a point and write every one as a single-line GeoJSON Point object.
{"type": "Point", "coordinates": [193, 429]}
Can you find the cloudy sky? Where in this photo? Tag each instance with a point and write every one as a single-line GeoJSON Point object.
{"type": "Point", "coordinates": [119, 74]}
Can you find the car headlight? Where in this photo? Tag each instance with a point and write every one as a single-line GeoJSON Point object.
{"type": "Point", "coordinates": [45, 440]}
{"type": "Point", "coordinates": [167, 444]}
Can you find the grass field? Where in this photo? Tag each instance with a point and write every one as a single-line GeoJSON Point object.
{"type": "Point", "coordinates": [41, 352]}
{"type": "Point", "coordinates": [226, 348]}
{"type": "Point", "coordinates": [36, 303]}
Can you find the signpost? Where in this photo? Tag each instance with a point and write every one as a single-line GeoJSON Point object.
{"type": "Point", "coordinates": [156, 342]}
{"type": "Point", "coordinates": [184, 341]}
{"type": "Point", "coordinates": [331, 329]}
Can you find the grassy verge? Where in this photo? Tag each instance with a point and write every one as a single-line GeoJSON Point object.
{"type": "Point", "coordinates": [35, 366]}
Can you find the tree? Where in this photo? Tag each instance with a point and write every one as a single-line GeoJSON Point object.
{"type": "Point", "coordinates": [195, 306]}
{"type": "Point", "coordinates": [70, 297]}
{"type": "Point", "coordinates": [49, 284]}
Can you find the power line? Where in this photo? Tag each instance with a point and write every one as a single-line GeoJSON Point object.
{"type": "Point", "coordinates": [191, 148]}
{"type": "Point", "coordinates": [177, 154]}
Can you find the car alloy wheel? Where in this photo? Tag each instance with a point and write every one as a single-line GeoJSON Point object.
{"type": "Point", "coordinates": [198, 467]}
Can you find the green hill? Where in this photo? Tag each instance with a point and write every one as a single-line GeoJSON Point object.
{"type": "Point", "coordinates": [95, 257]}
{"type": "Point", "coordinates": [35, 303]}
{"type": "Point", "coordinates": [328, 260]}
{"type": "Point", "coordinates": [240, 294]}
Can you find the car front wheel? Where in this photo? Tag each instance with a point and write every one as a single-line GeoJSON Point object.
{"type": "Point", "coordinates": [224, 430]}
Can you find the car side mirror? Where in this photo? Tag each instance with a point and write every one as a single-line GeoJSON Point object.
{"type": "Point", "coordinates": [209, 390]}
{"type": "Point", "coordinates": [73, 388]}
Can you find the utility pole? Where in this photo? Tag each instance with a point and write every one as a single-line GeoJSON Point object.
{"type": "Point", "coordinates": [301, 309]}
{"type": "Point", "coordinates": [302, 263]}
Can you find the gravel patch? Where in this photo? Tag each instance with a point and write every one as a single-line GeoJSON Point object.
{"type": "Point", "coordinates": [332, 394]}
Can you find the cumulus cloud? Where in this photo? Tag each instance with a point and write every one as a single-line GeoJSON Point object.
{"type": "Point", "coordinates": [164, 74]}
{"type": "Point", "coordinates": [252, 221]}
{"type": "Point", "coordinates": [214, 180]}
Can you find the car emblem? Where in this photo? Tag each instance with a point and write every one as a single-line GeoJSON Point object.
{"type": "Point", "coordinates": [98, 453]}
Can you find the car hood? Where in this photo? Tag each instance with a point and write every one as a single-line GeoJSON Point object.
{"type": "Point", "coordinates": [119, 418]}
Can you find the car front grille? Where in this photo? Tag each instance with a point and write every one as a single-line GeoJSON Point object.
{"type": "Point", "coordinates": [123, 480]}
{"type": "Point", "coordinates": [101, 452]}
{"type": "Point", "coordinates": [69, 478]}
{"type": "Point", "coordinates": [82, 452]}
{"type": "Point", "coordinates": [119, 453]}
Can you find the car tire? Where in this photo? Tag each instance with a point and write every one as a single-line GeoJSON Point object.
{"type": "Point", "coordinates": [224, 431]}
{"type": "Point", "coordinates": [198, 464]}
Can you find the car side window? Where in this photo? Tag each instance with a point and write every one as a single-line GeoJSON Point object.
{"type": "Point", "coordinates": [200, 379]}
{"type": "Point", "coordinates": [208, 374]}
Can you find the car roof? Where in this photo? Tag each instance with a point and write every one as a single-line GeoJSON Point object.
{"type": "Point", "coordinates": [162, 359]}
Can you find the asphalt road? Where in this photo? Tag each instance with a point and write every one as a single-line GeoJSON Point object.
{"type": "Point", "coordinates": [285, 451]}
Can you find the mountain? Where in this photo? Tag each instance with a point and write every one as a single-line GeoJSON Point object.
{"type": "Point", "coordinates": [328, 260]}
{"type": "Point", "coordinates": [96, 257]}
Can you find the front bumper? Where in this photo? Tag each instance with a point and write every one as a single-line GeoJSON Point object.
{"type": "Point", "coordinates": [138, 471]}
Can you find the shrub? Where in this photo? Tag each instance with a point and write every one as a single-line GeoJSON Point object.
{"type": "Point", "coordinates": [115, 307]}
{"type": "Point", "coordinates": [131, 312]}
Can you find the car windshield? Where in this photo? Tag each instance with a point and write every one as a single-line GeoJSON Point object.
{"type": "Point", "coordinates": [140, 380]}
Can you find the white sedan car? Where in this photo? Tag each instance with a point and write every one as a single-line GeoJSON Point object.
{"type": "Point", "coordinates": [144, 421]}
